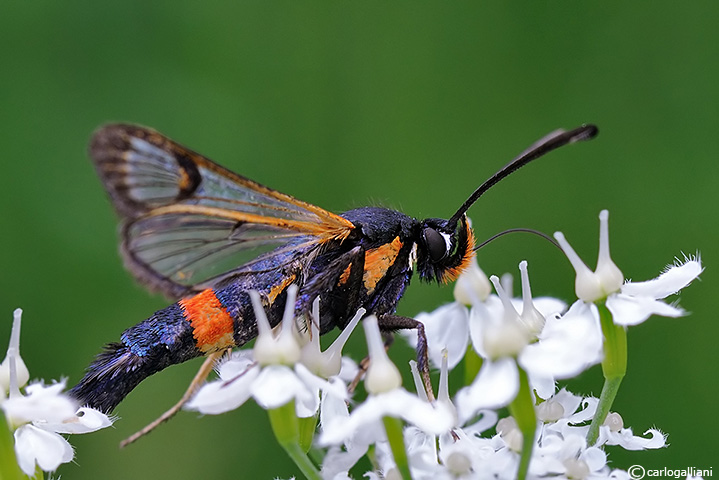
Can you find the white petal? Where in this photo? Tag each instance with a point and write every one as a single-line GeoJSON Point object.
{"type": "Point", "coordinates": [472, 286]}
{"type": "Point", "coordinates": [589, 408]}
{"type": "Point", "coordinates": [487, 420]}
{"type": "Point", "coordinates": [48, 449]}
{"type": "Point", "coordinates": [671, 281]}
{"type": "Point", "coordinates": [42, 403]}
{"type": "Point", "coordinates": [626, 439]}
{"type": "Point", "coordinates": [569, 402]}
{"type": "Point", "coordinates": [349, 370]}
{"type": "Point", "coordinates": [481, 317]}
{"type": "Point", "coordinates": [334, 386]}
{"type": "Point", "coordinates": [630, 310]}
{"type": "Point", "coordinates": [595, 458]}
{"type": "Point", "coordinates": [549, 306]}
{"type": "Point", "coordinates": [543, 386]}
{"type": "Point", "coordinates": [397, 403]}
{"type": "Point", "coordinates": [276, 385]}
{"type": "Point", "coordinates": [432, 419]}
{"type": "Point", "coordinates": [447, 327]}
{"type": "Point", "coordinates": [495, 386]}
{"type": "Point", "coordinates": [307, 406]}
{"type": "Point", "coordinates": [224, 395]}
{"type": "Point", "coordinates": [86, 420]}
{"type": "Point", "coordinates": [237, 364]}
{"type": "Point", "coordinates": [567, 345]}
{"type": "Point", "coordinates": [332, 408]}
{"type": "Point", "coordinates": [421, 452]}
{"type": "Point", "coordinates": [337, 463]}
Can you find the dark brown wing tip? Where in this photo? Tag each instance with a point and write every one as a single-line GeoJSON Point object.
{"type": "Point", "coordinates": [108, 137]}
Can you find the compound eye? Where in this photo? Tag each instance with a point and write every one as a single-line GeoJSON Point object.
{"type": "Point", "coordinates": [436, 244]}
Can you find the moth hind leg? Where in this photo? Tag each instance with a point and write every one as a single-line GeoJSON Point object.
{"type": "Point", "coordinates": [390, 323]}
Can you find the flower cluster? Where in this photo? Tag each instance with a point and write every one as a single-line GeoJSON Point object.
{"type": "Point", "coordinates": [38, 418]}
{"type": "Point", "coordinates": [513, 351]}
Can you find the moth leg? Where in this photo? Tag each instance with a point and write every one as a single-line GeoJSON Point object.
{"type": "Point", "coordinates": [390, 323]}
{"type": "Point", "coordinates": [196, 383]}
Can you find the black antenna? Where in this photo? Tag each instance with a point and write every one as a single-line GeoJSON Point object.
{"type": "Point", "coordinates": [519, 230]}
{"type": "Point", "coordinates": [552, 141]}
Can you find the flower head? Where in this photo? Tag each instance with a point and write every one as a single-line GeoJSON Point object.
{"type": "Point", "coordinates": [40, 415]}
{"type": "Point", "coordinates": [629, 302]}
{"type": "Point", "coordinates": [386, 399]}
{"type": "Point", "coordinates": [606, 279]}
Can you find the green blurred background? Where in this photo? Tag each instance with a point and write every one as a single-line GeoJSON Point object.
{"type": "Point", "coordinates": [408, 105]}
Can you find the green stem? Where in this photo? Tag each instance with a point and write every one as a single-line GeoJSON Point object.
{"type": "Point", "coordinates": [395, 435]}
{"type": "Point", "coordinates": [472, 364]}
{"type": "Point", "coordinates": [307, 427]}
{"type": "Point", "coordinates": [522, 409]}
{"type": "Point", "coordinates": [614, 367]}
{"type": "Point", "coordinates": [287, 431]}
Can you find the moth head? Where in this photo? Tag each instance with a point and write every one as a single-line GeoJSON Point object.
{"type": "Point", "coordinates": [443, 252]}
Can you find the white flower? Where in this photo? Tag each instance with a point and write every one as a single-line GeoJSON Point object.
{"type": "Point", "coordinates": [614, 433]}
{"type": "Point", "coordinates": [467, 456]}
{"type": "Point", "coordinates": [41, 415]}
{"type": "Point", "coordinates": [272, 373]}
{"type": "Point", "coordinates": [569, 457]}
{"type": "Point", "coordinates": [606, 279]}
{"type": "Point", "coordinates": [560, 449]}
{"type": "Point", "coordinates": [356, 431]}
{"type": "Point", "coordinates": [462, 454]}
{"type": "Point", "coordinates": [386, 399]}
{"type": "Point", "coordinates": [630, 303]}
{"type": "Point", "coordinates": [571, 414]}
{"type": "Point", "coordinates": [502, 337]}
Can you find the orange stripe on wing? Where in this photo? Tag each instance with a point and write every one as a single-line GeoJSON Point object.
{"type": "Point", "coordinates": [213, 328]}
{"type": "Point", "coordinates": [338, 228]}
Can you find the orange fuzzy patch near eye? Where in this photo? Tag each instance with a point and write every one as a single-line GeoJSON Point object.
{"type": "Point", "coordinates": [451, 274]}
{"type": "Point", "coordinates": [377, 261]}
{"type": "Point", "coordinates": [213, 328]}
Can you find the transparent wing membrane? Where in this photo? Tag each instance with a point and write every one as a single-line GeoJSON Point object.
{"type": "Point", "coordinates": [189, 221]}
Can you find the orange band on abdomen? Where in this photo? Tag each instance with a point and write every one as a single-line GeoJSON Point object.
{"type": "Point", "coordinates": [212, 327]}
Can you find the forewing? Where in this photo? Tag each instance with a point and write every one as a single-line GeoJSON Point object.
{"type": "Point", "coordinates": [190, 223]}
